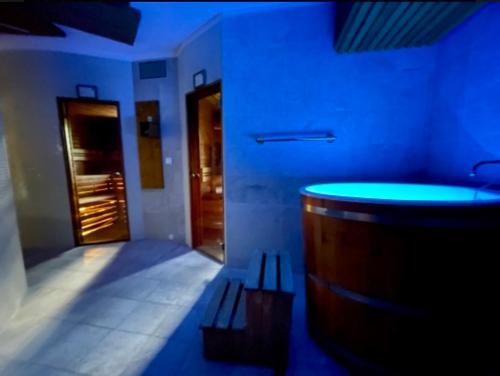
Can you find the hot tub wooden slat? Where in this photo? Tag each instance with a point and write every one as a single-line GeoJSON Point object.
{"type": "Point", "coordinates": [395, 295]}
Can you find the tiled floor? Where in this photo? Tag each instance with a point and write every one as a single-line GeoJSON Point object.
{"type": "Point", "coordinates": [130, 309]}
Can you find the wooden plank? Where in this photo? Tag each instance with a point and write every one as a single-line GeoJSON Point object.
{"type": "Point", "coordinates": [19, 18]}
{"type": "Point", "coordinates": [412, 26]}
{"type": "Point", "coordinates": [425, 24]}
{"type": "Point", "coordinates": [459, 16]}
{"type": "Point", "coordinates": [92, 109]}
{"type": "Point", "coordinates": [111, 20]}
{"type": "Point", "coordinates": [271, 273]}
{"type": "Point", "coordinates": [342, 22]}
{"type": "Point", "coordinates": [214, 305]}
{"type": "Point", "coordinates": [370, 20]}
{"type": "Point", "coordinates": [410, 12]}
{"type": "Point", "coordinates": [228, 305]}
{"type": "Point", "coordinates": [378, 24]}
{"type": "Point", "coordinates": [365, 26]}
{"type": "Point", "coordinates": [253, 274]}
{"type": "Point", "coordinates": [432, 25]}
{"type": "Point", "coordinates": [92, 177]}
{"type": "Point", "coordinates": [93, 199]}
{"type": "Point", "coordinates": [96, 217]}
{"type": "Point", "coordinates": [356, 17]}
{"type": "Point", "coordinates": [239, 321]}
{"type": "Point", "coordinates": [381, 35]}
{"type": "Point", "coordinates": [286, 275]}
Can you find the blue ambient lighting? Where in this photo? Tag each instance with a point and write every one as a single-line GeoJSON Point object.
{"type": "Point", "coordinates": [401, 192]}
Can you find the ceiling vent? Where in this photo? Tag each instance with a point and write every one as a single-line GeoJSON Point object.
{"type": "Point", "coordinates": [373, 26]}
{"type": "Point", "coordinates": [152, 69]}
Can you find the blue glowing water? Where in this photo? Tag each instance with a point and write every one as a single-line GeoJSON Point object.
{"type": "Point", "coordinates": [401, 192]}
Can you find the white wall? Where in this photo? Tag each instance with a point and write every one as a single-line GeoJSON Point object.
{"type": "Point", "coordinates": [12, 275]}
{"type": "Point", "coordinates": [202, 52]}
{"type": "Point", "coordinates": [29, 84]}
{"type": "Point", "coordinates": [164, 208]}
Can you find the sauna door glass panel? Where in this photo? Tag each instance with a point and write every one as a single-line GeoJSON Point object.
{"type": "Point", "coordinates": [210, 174]}
{"type": "Point", "coordinates": [205, 163]}
{"type": "Point", "coordinates": [95, 168]}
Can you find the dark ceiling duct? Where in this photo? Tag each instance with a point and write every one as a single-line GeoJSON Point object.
{"type": "Point", "coordinates": [373, 26]}
{"type": "Point", "coordinates": [116, 21]}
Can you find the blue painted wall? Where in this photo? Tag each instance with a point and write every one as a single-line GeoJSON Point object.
{"type": "Point", "coordinates": [202, 51]}
{"type": "Point", "coordinates": [465, 122]}
{"type": "Point", "coordinates": [30, 82]}
{"type": "Point", "coordinates": [282, 74]}
{"type": "Point", "coordinates": [12, 275]}
{"type": "Point", "coordinates": [164, 208]}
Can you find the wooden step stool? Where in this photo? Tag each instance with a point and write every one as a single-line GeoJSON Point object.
{"type": "Point", "coordinates": [224, 323]}
{"type": "Point", "coordinates": [251, 322]}
{"type": "Point", "coordinates": [269, 299]}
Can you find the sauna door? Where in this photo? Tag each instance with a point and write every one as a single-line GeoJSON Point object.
{"type": "Point", "coordinates": [94, 160]}
{"type": "Point", "coordinates": [205, 164]}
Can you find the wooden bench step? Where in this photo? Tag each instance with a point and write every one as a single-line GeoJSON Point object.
{"type": "Point", "coordinates": [224, 322]}
{"type": "Point", "coordinates": [250, 321]}
{"type": "Point", "coordinates": [226, 309]}
{"type": "Point", "coordinates": [270, 271]}
{"type": "Point", "coordinates": [269, 299]}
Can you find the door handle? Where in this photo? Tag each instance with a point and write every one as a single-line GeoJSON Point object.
{"type": "Point", "coordinates": [195, 175]}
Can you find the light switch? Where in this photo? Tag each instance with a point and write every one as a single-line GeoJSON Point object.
{"type": "Point", "coordinates": [168, 160]}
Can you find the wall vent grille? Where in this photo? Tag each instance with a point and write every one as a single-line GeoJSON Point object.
{"type": "Point", "coordinates": [152, 69]}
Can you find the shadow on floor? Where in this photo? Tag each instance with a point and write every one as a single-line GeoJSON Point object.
{"type": "Point", "coordinates": [131, 309]}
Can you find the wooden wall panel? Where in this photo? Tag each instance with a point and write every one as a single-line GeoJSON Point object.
{"type": "Point", "coordinates": [371, 26]}
{"type": "Point", "coordinates": [400, 297]}
{"type": "Point", "coordinates": [150, 150]}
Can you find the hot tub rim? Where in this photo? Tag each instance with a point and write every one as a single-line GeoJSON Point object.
{"type": "Point", "coordinates": [390, 202]}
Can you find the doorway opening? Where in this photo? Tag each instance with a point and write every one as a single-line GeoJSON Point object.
{"type": "Point", "coordinates": [205, 169]}
{"type": "Point", "coordinates": [94, 164]}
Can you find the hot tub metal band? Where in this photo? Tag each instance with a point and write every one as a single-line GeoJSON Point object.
{"type": "Point", "coordinates": [372, 302]}
{"type": "Point", "coordinates": [395, 220]}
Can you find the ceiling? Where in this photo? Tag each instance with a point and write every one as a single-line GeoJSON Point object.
{"type": "Point", "coordinates": [163, 28]}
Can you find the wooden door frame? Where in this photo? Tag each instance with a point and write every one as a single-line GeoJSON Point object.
{"type": "Point", "coordinates": [192, 99]}
{"type": "Point", "coordinates": [68, 164]}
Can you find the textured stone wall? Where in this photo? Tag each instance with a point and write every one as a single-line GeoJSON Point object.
{"type": "Point", "coordinates": [12, 275]}
{"type": "Point", "coordinates": [282, 74]}
{"type": "Point", "coordinates": [466, 114]}
{"type": "Point", "coordinates": [30, 82]}
{"type": "Point", "coordinates": [164, 208]}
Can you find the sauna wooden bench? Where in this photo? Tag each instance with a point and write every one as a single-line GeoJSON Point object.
{"type": "Point", "coordinates": [250, 321]}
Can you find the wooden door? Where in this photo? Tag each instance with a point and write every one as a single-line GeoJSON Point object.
{"type": "Point", "coordinates": [205, 169]}
{"type": "Point", "coordinates": [96, 177]}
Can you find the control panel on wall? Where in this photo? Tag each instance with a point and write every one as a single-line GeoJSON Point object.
{"type": "Point", "coordinates": [149, 143]}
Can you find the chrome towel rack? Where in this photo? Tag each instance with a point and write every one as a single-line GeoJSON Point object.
{"type": "Point", "coordinates": [328, 137]}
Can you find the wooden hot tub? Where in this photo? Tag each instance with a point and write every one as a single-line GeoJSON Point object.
{"type": "Point", "coordinates": [402, 276]}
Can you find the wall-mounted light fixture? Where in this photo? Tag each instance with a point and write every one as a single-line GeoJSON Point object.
{"type": "Point", "coordinates": [200, 78]}
{"type": "Point", "coordinates": [86, 91]}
